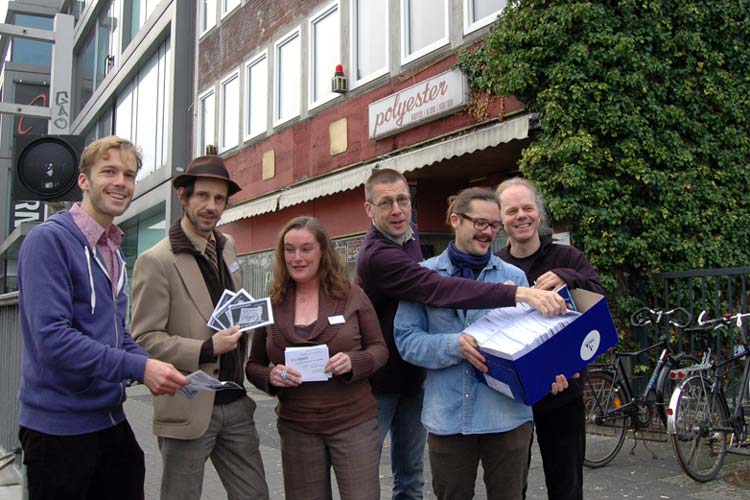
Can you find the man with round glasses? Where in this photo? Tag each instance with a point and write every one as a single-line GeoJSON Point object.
{"type": "Point", "coordinates": [388, 270]}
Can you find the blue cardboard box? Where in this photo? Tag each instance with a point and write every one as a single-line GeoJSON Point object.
{"type": "Point", "coordinates": [529, 377]}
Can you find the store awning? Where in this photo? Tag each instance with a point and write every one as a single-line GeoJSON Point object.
{"type": "Point", "coordinates": [251, 208]}
{"type": "Point", "coordinates": [413, 159]}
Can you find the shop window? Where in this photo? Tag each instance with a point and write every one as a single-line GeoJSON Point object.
{"type": "Point", "coordinates": [141, 110]}
{"type": "Point", "coordinates": [76, 9]}
{"type": "Point", "coordinates": [141, 233]}
{"type": "Point", "coordinates": [96, 57]}
{"type": "Point", "coordinates": [124, 113]}
{"type": "Point", "coordinates": [85, 63]}
{"type": "Point", "coordinates": [136, 12]}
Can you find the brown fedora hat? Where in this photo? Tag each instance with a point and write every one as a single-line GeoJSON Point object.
{"type": "Point", "coordinates": [206, 166]}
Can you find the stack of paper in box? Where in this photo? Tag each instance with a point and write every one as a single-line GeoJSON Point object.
{"type": "Point", "coordinates": [511, 332]}
{"type": "Point", "coordinates": [525, 350]}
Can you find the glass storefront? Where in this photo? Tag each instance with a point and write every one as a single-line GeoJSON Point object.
{"type": "Point", "coordinates": [141, 233]}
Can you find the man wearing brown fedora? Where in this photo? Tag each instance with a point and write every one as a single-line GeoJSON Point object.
{"type": "Point", "coordinates": [176, 285]}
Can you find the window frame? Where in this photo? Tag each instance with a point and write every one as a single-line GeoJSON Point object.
{"type": "Point", "coordinates": [210, 92]}
{"type": "Point", "coordinates": [445, 40]}
{"type": "Point", "coordinates": [260, 58]}
{"type": "Point", "coordinates": [353, 59]}
{"type": "Point", "coordinates": [327, 10]}
{"type": "Point", "coordinates": [228, 78]}
{"type": "Point", "coordinates": [278, 44]}
{"type": "Point", "coordinates": [202, 18]}
{"type": "Point", "coordinates": [228, 6]}
{"type": "Point", "coordinates": [471, 26]}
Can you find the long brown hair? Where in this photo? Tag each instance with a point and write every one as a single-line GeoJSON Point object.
{"type": "Point", "coordinates": [332, 275]}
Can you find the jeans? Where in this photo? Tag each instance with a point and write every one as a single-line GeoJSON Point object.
{"type": "Point", "coordinates": [401, 415]}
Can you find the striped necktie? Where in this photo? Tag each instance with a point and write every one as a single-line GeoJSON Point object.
{"type": "Point", "coordinates": [211, 256]}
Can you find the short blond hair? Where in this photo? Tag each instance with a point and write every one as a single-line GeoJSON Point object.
{"type": "Point", "coordinates": [100, 149]}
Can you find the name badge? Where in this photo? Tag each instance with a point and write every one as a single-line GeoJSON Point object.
{"type": "Point", "coordinates": [234, 266]}
{"type": "Point", "coordinates": [336, 320]}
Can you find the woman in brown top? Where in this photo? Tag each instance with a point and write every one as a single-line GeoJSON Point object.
{"type": "Point", "coordinates": [331, 423]}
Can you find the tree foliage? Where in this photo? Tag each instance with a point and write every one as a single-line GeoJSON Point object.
{"type": "Point", "coordinates": [644, 149]}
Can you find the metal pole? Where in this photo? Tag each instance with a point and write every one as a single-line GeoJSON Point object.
{"type": "Point", "coordinates": [61, 76]}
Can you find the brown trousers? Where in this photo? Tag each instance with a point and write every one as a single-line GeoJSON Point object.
{"type": "Point", "coordinates": [454, 460]}
{"type": "Point", "coordinates": [353, 453]}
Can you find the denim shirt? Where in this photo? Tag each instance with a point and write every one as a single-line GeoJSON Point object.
{"type": "Point", "coordinates": [455, 401]}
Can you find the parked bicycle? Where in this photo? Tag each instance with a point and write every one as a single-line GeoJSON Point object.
{"type": "Point", "coordinates": [702, 426]}
{"type": "Point", "coordinates": [611, 402]}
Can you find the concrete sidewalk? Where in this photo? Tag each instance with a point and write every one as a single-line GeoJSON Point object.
{"type": "Point", "coordinates": [631, 476]}
{"type": "Point", "coordinates": [635, 475]}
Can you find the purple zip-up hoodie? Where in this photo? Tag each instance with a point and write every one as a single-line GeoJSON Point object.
{"type": "Point", "coordinates": [77, 354]}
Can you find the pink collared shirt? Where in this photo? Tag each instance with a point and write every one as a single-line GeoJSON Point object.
{"type": "Point", "coordinates": [105, 241]}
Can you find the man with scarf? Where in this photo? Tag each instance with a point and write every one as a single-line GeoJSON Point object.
{"type": "Point", "coordinates": [466, 420]}
{"type": "Point", "coordinates": [388, 270]}
{"type": "Point", "coordinates": [176, 285]}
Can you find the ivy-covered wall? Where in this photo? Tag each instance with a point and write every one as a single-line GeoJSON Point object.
{"type": "Point", "coordinates": [644, 149]}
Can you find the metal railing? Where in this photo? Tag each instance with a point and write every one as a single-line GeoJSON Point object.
{"type": "Point", "coordinates": [717, 291]}
{"type": "Point", "coordinates": [10, 369]}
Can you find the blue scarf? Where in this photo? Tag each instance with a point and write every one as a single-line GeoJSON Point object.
{"type": "Point", "coordinates": [467, 265]}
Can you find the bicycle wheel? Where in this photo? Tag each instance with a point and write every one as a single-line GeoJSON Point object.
{"type": "Point", "coordinates": [700, 423]}
{"type": "Point", "coordinates": [605, 427]}
{"type": "Point", "coordinates": [665, 386]}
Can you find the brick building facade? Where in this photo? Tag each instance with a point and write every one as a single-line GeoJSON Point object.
{"type": "Point", "coordinates": [310, 152]}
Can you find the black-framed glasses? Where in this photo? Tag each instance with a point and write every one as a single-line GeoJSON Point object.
{"type": "Point", "coordinates": [482, 224]}
{"type": "Point", "coordinates": [386, 203]}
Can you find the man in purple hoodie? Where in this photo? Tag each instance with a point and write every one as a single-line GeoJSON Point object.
{"type": "Point", "coordinates": [388, 270]}
{"type": "Point", "coordinates": [77, 354]}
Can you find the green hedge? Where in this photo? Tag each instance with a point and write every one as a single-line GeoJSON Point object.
{"type": "Point", "coordinates": [644, 149]}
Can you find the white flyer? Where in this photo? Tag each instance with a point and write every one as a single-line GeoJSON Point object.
{"type": "Point", "coordinates": [201, 381]}
{"type": "Point", "coordinates": [309, 361]}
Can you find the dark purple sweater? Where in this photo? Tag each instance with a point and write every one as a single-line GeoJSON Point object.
{"type": "Point", "coordinates": [388, 273]}
{"type": "Point", "coordinates": [571, 265]}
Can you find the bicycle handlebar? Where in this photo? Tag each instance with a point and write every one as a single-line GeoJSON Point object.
{"type": "Point", "coordinates": [678, 317]}
{"type": "Point", "coordinates": [724, 320]}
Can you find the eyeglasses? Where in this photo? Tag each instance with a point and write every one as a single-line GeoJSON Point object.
{"type": "Point", "coordinates": [403, 201]}
{"type": "Point", "coordinates": [482, 224]}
